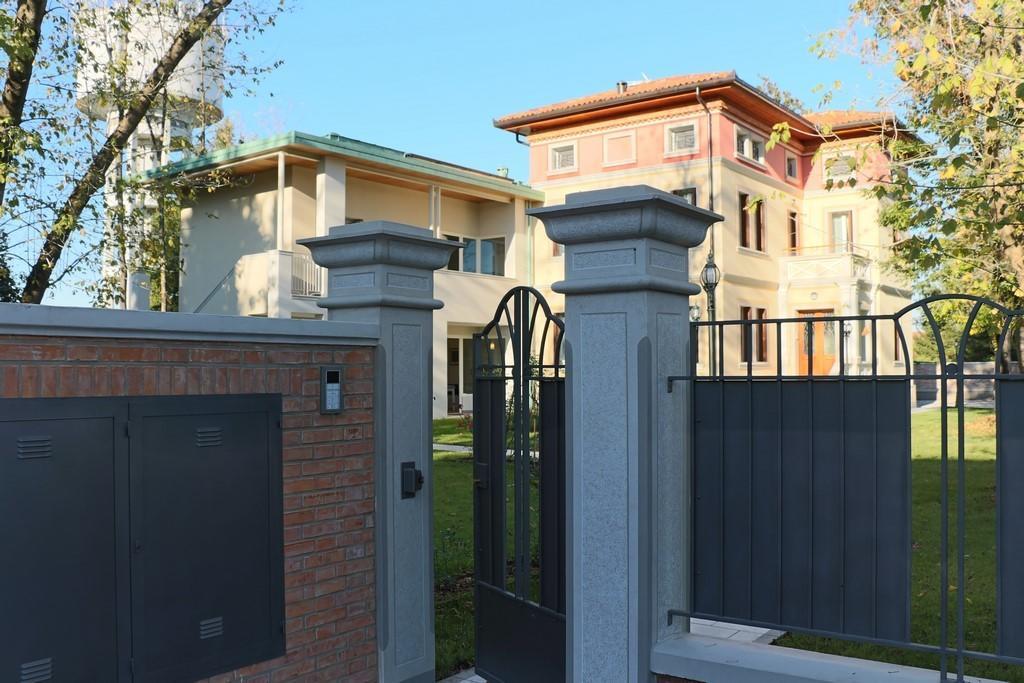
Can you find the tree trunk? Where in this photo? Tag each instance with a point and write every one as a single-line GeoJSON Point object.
{"type": "Point", "coordinates": [28, 20]}
{"type": "Point", "coordinates": [57, 236]}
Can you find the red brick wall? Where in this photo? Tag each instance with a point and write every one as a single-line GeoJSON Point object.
{"type": "Point", "coordinates": [328, 470]}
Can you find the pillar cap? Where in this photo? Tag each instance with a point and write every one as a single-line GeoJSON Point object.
{"type": "Point", "coordinates": [380, 243]}
{"type": "Point", "coordinates": [632, 212]}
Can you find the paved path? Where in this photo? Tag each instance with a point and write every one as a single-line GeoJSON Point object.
{"type": "Point", "coordinates": [700, 627]}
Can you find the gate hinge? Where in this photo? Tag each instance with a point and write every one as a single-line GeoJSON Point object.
{"type": "Point", "coordinates": [481, 475]}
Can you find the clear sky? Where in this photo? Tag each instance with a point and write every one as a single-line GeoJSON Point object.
{"type": "Point", "coordinates": [429, 77]}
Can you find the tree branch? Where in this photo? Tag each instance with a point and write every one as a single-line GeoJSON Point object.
{"type": "Point", "coordinates": [93, 178]}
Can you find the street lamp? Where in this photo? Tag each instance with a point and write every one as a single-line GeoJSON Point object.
{"type": "Point", "coordinates": [710, 276]}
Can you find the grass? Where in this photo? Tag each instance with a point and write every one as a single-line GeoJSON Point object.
{"type": "Point", "coordinates": [980, 560]}
{"type": "Point", "coordinates": [453, 558]}
{"type": "Point", "coordinates": [455, 431]}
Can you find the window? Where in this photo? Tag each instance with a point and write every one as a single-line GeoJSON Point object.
{"type": "Point", "coordinates": [756, 333]}
{"type": "Point", "coordinates": [681, 139]}
{"type": "Point", "coordinates": [563, 157]}
{"type": "Point", "coordinates": [486, 255]}
{"type": "Point", "coordinates": [744, 220]}
{"type": "Point", "coordinates": [840, 231]}
{"type": "Point", "coordinates": [619, 148]}
{"type": "Point", "coordinates": [492, 256]}
{"type": "Point", "coordinates": [760, 210]}
{"type": "Point", "coordinates": [688, 194]}
{"type": "Point", "coordinates": [791, 166]}
{"type": "Point", "coordinates": [749, 146]}
{"type": "Point", "coordinates": [840, 167]}
{"type": "Point", "coordinates": [794, 232]}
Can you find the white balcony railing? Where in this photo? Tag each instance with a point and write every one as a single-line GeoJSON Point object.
{"type": "Point", "coordinates": [825, 266]}
{"type": "Point", "coordinates": [307, 276]}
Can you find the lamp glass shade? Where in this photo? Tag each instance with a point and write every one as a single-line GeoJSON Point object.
{"type": "Point", "coordinates": [710, 275]}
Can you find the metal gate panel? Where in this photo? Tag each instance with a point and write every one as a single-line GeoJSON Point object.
{"type": "Point", "coordinates": [206, 534]}
{"type": "Point", "coordinates": [64, 571]}
{"type": "Point", "coordinates": [802, 504]}
{"type": "Point", "coordinates": [1010, 513]}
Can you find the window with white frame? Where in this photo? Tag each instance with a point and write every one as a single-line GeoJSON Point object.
{"type": "Point", "coordinates": [840, 167]}
{"type": "Point", "coordinates": [619, 148]}
{"type": "Point", "coordinates": [792, 169]}
{"type": "Point", "coordinates": [479, 255]}
{"type": "Point", "coordinates": [688, 194]}
{"type": "Point", "coordinates": [749, 145]}
{"type": "Point", "coordinates": [562, 157]}
{"type": "Point", "coordinates": [681, 138]}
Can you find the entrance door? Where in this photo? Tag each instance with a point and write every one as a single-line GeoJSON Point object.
{"type": "Point", "coordinates": [519, 497]}
{"type": "Point", "coordinates": [817, 342]}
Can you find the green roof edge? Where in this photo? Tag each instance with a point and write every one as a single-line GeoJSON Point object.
{"type": "Point", "coordinates": [353, 148]}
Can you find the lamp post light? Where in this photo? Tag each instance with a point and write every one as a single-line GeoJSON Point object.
{"type": "Point", "coordinates": [710, 276]}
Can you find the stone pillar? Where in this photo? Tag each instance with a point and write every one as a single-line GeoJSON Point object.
{"type": "Point", "coordinates": [627, 290]}
{"type": "Point", "coordinates": [382, 273]}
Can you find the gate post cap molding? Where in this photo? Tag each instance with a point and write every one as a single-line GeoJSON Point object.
{"type": "Point", "coordinates": [635, 211]}
{"type": "Point", "coordinates": [626, 239]}
{"type": "Point", "coordinates": [380, 263]}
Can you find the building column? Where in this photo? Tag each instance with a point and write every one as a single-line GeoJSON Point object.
{"type": "Point", "coordinates": [434, 209]}
{"type": "Point", "coordinates": [330, 194]}
{"type": "Point", "coordinates": [627, 295]}
{"type": "Point", "coordinates": [383, 273]}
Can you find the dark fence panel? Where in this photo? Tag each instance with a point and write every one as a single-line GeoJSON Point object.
{"type": "Point", "coordinates": [1010, 530]}
{"type": "Point", "coordinates": [802, 506]}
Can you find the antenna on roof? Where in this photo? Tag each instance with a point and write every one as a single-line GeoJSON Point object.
{"type": "Point", "coordinates": [644, 76]}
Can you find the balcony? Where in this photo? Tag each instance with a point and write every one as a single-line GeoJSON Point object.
{"type": "Point", "coordinates": [825, 263]}
{"type": "Point", "coordinates": [307, 276]}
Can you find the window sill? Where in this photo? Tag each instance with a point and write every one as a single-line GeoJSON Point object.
{"type": "Point", "coordinates": [681, 153]}
{"type": "Point", "coordinates": [613, 164]}
{"type": "Point", "coordinates": [760, 165]}
{"type": "Point", "coordinates": [750, 251]}
{"type": "Point", "coordinates": [563, 171]}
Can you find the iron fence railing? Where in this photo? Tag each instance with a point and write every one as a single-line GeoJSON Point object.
{"type": "Point", "coordinates": [802, 480]}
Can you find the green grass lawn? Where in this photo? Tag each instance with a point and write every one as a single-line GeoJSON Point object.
{"type": "Point", "coordinates": [456, 431]}
{"type": "Point", "coordinates": [980, 562]}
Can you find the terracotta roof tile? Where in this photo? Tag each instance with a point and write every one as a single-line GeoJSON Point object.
{"type": "Point", "coordinates": [847, 117]}
{"type": "Point", "coordinates": [653, 88]}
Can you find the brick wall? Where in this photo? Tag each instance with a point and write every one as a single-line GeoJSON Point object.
{"type": "Point", "coordinates": [328, 470]}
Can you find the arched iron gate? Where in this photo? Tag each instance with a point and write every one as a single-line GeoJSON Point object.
{"type": "Point", "coordinates": [519, 430]}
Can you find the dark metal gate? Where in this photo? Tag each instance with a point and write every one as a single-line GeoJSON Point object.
{"type": "Point", "coordinates": [519, 474]}
{"type": "Point", "coordinates": [804, 474]}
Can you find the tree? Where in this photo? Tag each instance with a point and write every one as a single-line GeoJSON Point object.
{"type": "Point", "coordinates": [956, 194]}
{"type": "Point", "coordinates": [54, 157]}
{"type": "Point", "coordinates": [8, 290]}
{"type": "Point", "coordinates": [783, 97]}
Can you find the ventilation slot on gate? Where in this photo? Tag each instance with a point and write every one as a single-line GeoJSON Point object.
{"type": "Point", "coordinates": [37, 671]}
{"type": "Point", "coordinates": [208, 436]}
{"type": "Point", "coordinates": [211, 628]}
{"type": "Point", "coordinates": [34, 447]}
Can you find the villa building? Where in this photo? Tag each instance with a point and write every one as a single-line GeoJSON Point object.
{"type": "Point", "coordinates": [240, 251]}
{"type": "Point", "coordinates": [800, 236]}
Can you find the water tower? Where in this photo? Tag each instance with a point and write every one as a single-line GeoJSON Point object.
{"type": "Point", "coordinates": [122, 44]}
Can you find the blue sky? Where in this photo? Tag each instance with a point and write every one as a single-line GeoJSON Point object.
{"type": "Point", "coordinates": [429, 77]}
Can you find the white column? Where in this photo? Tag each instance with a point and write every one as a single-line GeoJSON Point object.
{"type": "Point", "coordinates": [330, 194]}
{"type": "Point", "coordinates": [279, 205]}
{"type": "Point", "coordinates": [627, 295]}
{"type": "Point", "coordinates": [383, 273]}
{"type": "Point", "coordinates": [434, 209]}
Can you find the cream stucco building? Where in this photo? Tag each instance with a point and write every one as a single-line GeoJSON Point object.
{"type": "Point", "coordinates": [240, 251]}
{"type": "Point", "coordinates": [801, 237]}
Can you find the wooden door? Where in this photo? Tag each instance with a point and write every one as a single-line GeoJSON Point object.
{"type": "Point", "coordinates": [817, 342]}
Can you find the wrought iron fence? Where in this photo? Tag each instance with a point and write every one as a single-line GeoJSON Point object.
{"type": "Point", "coordinates": [802, 513]}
